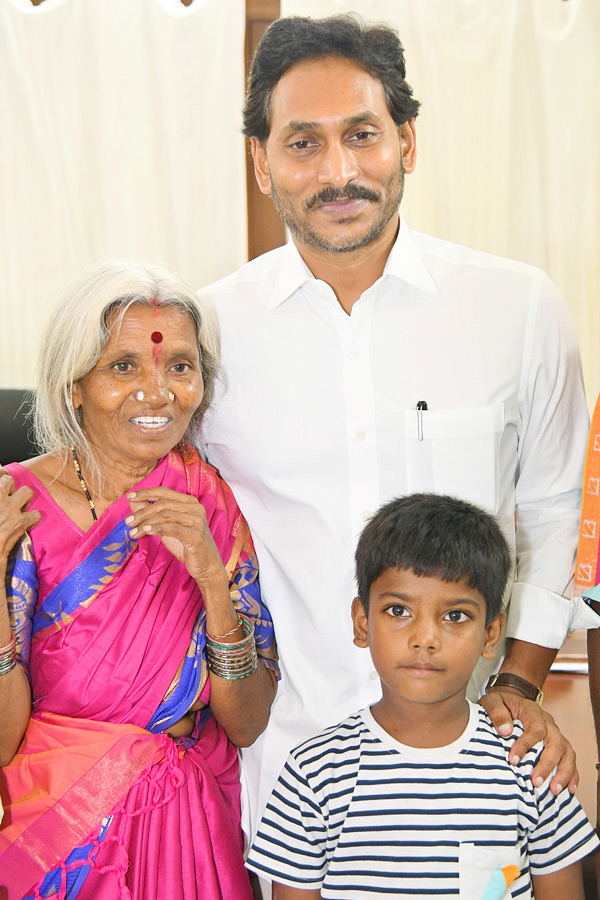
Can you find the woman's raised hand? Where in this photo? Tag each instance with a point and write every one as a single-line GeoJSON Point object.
{"type": "Point", "coordinates": [180, 522]}
{"type": "Point", "coordinates": [15, 518]}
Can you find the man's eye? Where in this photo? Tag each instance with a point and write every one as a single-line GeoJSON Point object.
{"type": "Point", "coordinates": [122, 366]}
{"type": "Point", "coordinates": [362, 135]}
{"type": "Point", "coordinates": [457, 615]}
{"type": "Point", "coordinates": [302, 145]}
{"type": "Point", "coordinates": [181, 368]}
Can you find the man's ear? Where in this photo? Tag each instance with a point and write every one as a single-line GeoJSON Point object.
{"type": "Point", "coordinates": [261, 166]}
{"type": "Point", "coordinates": [359, 619]}
{"type": "Point", "coordinates": [408, 145]}
{"type": "Point", "coordinates": [493, 633]}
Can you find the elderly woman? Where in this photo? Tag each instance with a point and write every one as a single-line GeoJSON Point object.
{"type": "Point", "coordinates": [135, 652]}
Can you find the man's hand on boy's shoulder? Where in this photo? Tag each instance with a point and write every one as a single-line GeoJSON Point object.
{"type": "Point", "coordinates": [503, 706]}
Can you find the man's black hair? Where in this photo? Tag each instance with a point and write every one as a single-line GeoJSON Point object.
{"type": "Point", "coordinates": [439, 536]}
{"type": "Point", "coordinates": [295, 39]}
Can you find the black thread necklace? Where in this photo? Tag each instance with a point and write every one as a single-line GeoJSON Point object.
{"type": "Point", "coordinates": [83, 484]}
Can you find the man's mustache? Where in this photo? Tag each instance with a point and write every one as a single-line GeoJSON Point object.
{"type": "Point", "coordinates": [350, 192]}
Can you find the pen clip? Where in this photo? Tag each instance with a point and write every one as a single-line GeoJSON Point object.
{"type": "Point", "coordinates": [421, 406]}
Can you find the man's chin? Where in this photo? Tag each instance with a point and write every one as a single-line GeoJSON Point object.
{"type": "Point", "coordinates": [341, 244]}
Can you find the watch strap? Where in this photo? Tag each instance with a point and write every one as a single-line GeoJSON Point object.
{"type": "Point", "coordinates": [507, 679]}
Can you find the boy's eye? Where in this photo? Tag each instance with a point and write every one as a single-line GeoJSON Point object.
{"type": "Point", "coordinates": [397, 611]}
{"type": "Point", "coordinates": [457, 615]}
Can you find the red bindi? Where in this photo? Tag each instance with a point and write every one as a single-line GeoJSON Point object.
{"type": "Point", "coordinates": [156, 337]}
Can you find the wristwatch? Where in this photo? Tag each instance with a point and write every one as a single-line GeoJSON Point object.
{"type": "Point", "coordinates": [507, 679]}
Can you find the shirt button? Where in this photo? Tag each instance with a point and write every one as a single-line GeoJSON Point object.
{"type": "Point", "coordinates": [354, 354]}
{"type": "Point", "coordinates": [366, 514]}
{"type": "Point", "coordinates": [361, 436]}
{"type": "Point", "coordinates": [373, 676]}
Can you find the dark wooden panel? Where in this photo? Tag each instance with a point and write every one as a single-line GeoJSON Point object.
{"type": "Point", "coordinates": [265, 228]}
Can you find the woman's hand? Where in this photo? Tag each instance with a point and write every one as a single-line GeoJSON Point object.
{"type": "Point", "coordinates": [180, 522]}
{"type": "Point", "coordinates": [241, 706]}
{"type": "Point", "coordinates": [15, 518]}
{"type": "Point", "coordinates": [15, 696]}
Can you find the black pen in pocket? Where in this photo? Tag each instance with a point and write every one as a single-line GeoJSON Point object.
{"type": "Point", "coordinates": [421, 406]}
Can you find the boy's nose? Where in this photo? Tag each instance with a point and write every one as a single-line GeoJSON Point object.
{"type": "Point", "coordinates": [425, 635]}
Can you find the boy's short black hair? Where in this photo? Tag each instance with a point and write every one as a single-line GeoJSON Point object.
{"type": "Point", "coordinates": [439, 536]}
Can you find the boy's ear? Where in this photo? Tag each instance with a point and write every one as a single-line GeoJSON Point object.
{"type": "Point", "coordinates": [359, 618]}
{"type": "Point", "coordinates": [493, 633]}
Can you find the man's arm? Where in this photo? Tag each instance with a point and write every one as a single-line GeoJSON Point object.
{"type": "Point", "coordinates": [565, 883]}
{"type": "Point", "coordinates": [284, 892]}
{"type": "Point", "coordinates": [552, 436]}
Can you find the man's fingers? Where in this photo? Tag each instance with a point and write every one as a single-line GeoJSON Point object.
{"type": "Point", "coordinates": [537, 725]}
{"type": "Point", "coordinates": [558, 754]}
{"type": "Point", "coordinates": [501, 716]}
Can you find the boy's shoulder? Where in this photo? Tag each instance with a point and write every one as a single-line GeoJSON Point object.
{"type": "Point", "coordinates": [335, 739]}
{"type": "Point", "coordinates": [502, 744]}
{"type": "Point", "coordinates": [358, 734]}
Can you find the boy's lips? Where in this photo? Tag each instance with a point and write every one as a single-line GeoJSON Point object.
{"type": "Point", "coordinates": [422, 668]}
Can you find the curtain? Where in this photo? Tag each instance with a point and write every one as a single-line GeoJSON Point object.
{"type": "Point", "coordinates": [120, 137]}
{"type": "Point", "coordinates": [507, 138]}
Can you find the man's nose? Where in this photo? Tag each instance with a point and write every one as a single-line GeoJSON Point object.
{"type": "Point", "coordinates": [338, 165]}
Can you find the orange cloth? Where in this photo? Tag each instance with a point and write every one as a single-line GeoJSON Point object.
{"type": "Point", "coordinates": [587, 569]}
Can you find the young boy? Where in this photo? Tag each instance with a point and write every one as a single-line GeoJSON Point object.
{"type": "Point", "coordinates": [415, 797]}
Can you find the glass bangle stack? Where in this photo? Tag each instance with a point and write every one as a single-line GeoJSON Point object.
{"type": "Point", "coordinates": [233, 660]}
{"type": "Point", "coordinates": [8, 656]}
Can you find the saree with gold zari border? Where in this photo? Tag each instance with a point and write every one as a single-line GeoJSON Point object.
{"type": "Point", "coordinates": [99, 802]}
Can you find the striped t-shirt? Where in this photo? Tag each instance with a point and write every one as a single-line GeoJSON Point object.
{"type": "Point", "coordinates": [359, 815]}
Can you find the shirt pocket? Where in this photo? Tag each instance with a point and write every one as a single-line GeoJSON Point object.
{"type": "Point", "coordinates": [486, 874]}
{"type": "Point", "coordinates": [456, 452]}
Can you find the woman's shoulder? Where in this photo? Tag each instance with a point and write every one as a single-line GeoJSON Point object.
{"type": "Point", "coordinates": [45, 468]}
{"type": "Point", "coordinates": [205, 482]}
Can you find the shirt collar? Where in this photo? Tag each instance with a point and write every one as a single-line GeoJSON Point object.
{"type": "Point", "coordinates": [293, 273]}
{"type": "Point", "coordinates": [405, 262]}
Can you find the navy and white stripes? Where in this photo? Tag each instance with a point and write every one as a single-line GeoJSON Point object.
{"type": "Point", "coordinates": [359, 815]}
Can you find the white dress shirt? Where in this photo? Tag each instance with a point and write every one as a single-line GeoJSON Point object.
{"type": "Point", "coordinates": [318, 427]}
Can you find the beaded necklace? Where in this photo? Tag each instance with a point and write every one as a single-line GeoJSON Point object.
{"type": "Point", "coordinates": [83, 484]}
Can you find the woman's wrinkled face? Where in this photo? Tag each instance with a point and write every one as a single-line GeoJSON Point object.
{"type": "Point", "coordinates": [137, 401]}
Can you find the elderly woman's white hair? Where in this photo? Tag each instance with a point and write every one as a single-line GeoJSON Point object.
{"type": "Point", "coordinates": [78, 330]}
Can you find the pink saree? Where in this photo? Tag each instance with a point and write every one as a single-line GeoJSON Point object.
{"type": "Point", "coordinates": [99, 802]}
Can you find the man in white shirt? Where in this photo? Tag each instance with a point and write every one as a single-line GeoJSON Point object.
{"type": "Point", "coordinates": [363, 362]}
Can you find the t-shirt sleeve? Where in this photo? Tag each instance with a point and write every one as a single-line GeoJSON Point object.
{"type": "Point", "coordinates": [291, 843]}
{"type": "Point", "coordinates": [563, 834]}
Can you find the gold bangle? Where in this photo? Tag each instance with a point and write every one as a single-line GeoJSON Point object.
{"type": "Point", "coordinates": [219, 637]}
